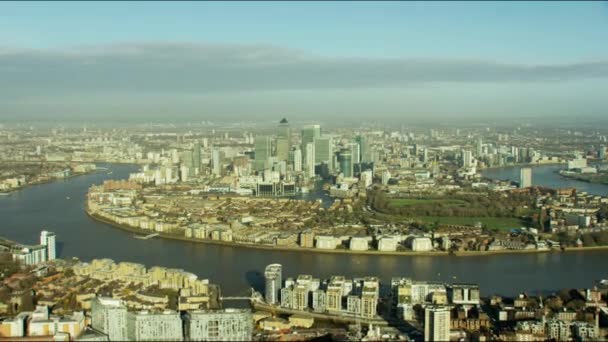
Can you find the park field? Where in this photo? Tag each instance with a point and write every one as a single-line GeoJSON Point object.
{"type": "Point", "coordinates": [401, 202]}
{"type": "Point", "coordinates": [490, 222]}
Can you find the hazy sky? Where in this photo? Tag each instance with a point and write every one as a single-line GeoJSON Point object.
{"type": "Point", "coordinates": [302, 59]}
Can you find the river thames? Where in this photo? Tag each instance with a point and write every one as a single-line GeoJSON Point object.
{"type": "Point", "coordinates": [59, 207]}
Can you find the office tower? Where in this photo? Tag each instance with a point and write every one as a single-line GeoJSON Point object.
{"type": "Point", "coordinates": [355, 151]}
{"type": "Point", "coordinates": [346, 162]}
{"type": "Point", "coordinates": [309, 134]}
{"type": "Point", "coordinates": [323, 151]}
{"type": "Point", "coordinates": [262, 152]}
{"type": "Point", "coordinates": [309, 163]}
{"type": "Point", "coordinates": [436, 323]}
{"type": "Point", "coordinates": [154, 326]}
{"type": "Point", "coordinates": [416, 150]}
{"type": "Point", "coordinates": [48, 239]}
{"type": "Point", "coordinates": [109, 316]}
{"type": "Point", "coordinates": [188, 161]}
{"type": "Point", "coordinates": [273, 279]}
{"type": "Point", "coordinates": [425, 155]}
{"type": "Point", "coordinates": [602, 152]}
{"type": "Point", "coordinates": [219, 325]}
{"type": "Point", "coordinates": [364, 149]}
{"type": "Point", "coordinates": [479, 147]}
{"type": "Point", "coordinates": [282, 149]}
{"type": "Point", "coordinates": [297, 160]}
{"type": "Point", "coordinates": [525, 177]}
{"type": "Point", "coordinates": [283, 140]}
{"type": "Point", "coordinates": [196, 155]}
{"type": "Point", "coordinates": [217, 162]}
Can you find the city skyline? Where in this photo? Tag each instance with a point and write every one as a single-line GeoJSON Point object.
{"type": "Point", "coordinates": [259, 60]}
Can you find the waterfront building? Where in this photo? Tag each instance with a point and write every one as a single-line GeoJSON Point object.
{"type": "Point", "coordinates": [333, 295]}
{"type": "Point", "coordinates": [273, 280]}
{"type": "Point", "coordinates": [353, 305]}
{"type": "Point", "coordinates": [387, 244]}
{"type": "Point", "coordinates": [109, 316]}
{"type": "Point", "coordinates": [358, 243]}
{"type": "Point", "coordinates": [287, 296]}
{"type": "Point", "coordinates": [525, 177]}
{"type": "Point", "coordinates": [48, 239]}
{"type": "Point", "coordinates": [307, 239]}
{"type": "Point", "coordinates": [436, 323]}
{"type": "Point", "coordinates": [326, 242]}
{"type": "Point", "coordinates": [465, 294]}
{"type": "Point", "coordinates": [262, 153]}
{"type": "Point", "coordinates": [422, 244]}
{"type": "Point", "coordinates": [154, 326]}
{"type": "Point", "coordinates": [219, 325]}
{"type": "Point", "coordinates": [602, 152]}
{"type": "Point", "coordinates": [318, 300]}
{"type": "Point", "coordinates": [300, 297]}
{"type": "Point", "coordinates": [29, 255]}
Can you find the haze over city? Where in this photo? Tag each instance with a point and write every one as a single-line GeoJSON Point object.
{"type": "Point", "coordinates": [303, 171]}
{"type": "Point", "coordinates": [309, 60]}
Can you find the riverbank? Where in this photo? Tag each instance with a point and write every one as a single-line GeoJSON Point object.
{"type": "Point", "coordinates": [46, 181]}
{"type": "Point", "coordinates": [333, 251]}
{"type": "Point", "coordinates": [522, 165]}
{"type": "Point", "coordinates": [591, 178]}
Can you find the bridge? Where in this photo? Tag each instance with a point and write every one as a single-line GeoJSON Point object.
{"type": "Point", "coordinates": [251, 295]}
{"type": "Point", "coordinates": [149, 236]}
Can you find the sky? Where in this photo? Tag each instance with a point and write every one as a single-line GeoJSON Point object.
{"type": "Point", "coordinates": [342, 60]}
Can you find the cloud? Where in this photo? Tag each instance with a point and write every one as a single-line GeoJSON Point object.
{"type": "Point", "coordinates": [173, 67]}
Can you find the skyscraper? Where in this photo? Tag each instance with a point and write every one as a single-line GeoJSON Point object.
{"type": "Point", "coordinates": [217, 162]}
{"type": "Point", "coordinates": [323, 151]}
{"type": "Point", "coordinates": [262, 152]}
{"type": "Point", "coordinates": [479, 147]}
{"type": "Point", "coordinates": [196, 155]}
{"type": "Point", "coordinates": [346, 162]}
{"type": "Point", "coordinates": [309, 134]}
{"type": "Point", "coordinates": [283, 140]}
{"type": "Point", "coordinates": [48, 239]}
{"type": "Point", "coordinates": [273, 279]}
{"type": "Point", "coordinates": [467, 159]}
{"type": "Point", "coordinates": [309, 160]}
{"type": "Point", "coordinates": [525, 177]}
{"type": "Point", "coordinates": [297, 160]}
{"type": "Point", "coordinates": [436, 323]}
{"type": "Point", "coordinates": [602, 152]}
{"type": "Point", "coordinates": [364, 149]}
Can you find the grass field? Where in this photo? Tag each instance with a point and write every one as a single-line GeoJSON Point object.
{"type": "Point", "coordinates": [490, 222]}
{"type": "Point", "coordinates": [401, 202]}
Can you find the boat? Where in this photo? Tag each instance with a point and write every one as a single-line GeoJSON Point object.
{"type": "Point", "coordinates": [68, 197]}
{"type": "Point", "coordinates": [304, 190]}
{"type": "Point", "coordinates": [140, 237]}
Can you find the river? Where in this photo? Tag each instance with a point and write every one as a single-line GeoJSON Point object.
{"type": "Point", "coordinates": [25, 213]}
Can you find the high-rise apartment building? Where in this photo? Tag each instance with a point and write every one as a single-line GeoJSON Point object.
{"type": "Point", "coordinates": [196, 155]}
{"type": "Point", "coordinates": [48, 239]}
{"type": "Point", "coordinates": [436, 323]}
{"type": "Point", "coordinates": [219, 325]}
{"type": "Point", "coordinates": [273, 279]}
{"type": "Point", "coordinates": [154, 326]}
{"type": "Point", "coordinates": [109, 316]}
{"type": "Point", "coordinates": [525, 177]}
